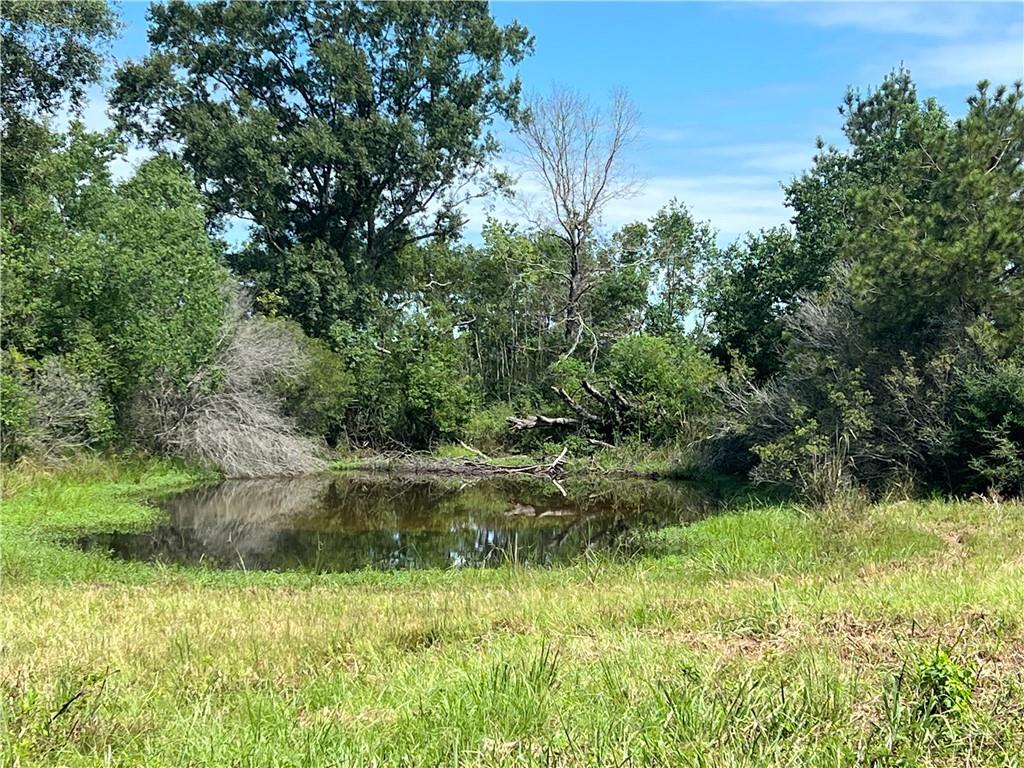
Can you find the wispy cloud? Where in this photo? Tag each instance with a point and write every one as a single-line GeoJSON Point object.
{"type": "Point", "coordinates": [784, 159]}
{"type": "Point", "coordinates": [965, 63]}
{"type": "Point", "coordinates": [733, 203]}
{"type": "Point", "coordinates": [664, 135]}
{"type": "Point", "coordinates": [943, 44]}
{"type": "Point", "coordinates": [925, 19]}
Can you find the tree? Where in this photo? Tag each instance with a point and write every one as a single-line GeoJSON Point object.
{"type": "Point", "coordinates": [906, 364]}
{"type": "Point", "coordinates": [573, 151]}
{"type": "Point", "coordinates": [511, 304]}
{"type": "Point", "coordinates": [51, 52]}
{"type": "Point", "coordinates": [119, 281]}
{"type": "Point", "coordinates": [750, 289]}
{"type": "Point", "coordinates": [675, 251]}
{"type": "Point", "coordinates": [881, 126]}
{"type": "Point", "coordinates": [343, 131]}
{"type": "Point", "coordinates": [952, 246]}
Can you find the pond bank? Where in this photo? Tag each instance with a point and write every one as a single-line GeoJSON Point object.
{"type": "Point", "coordinates": [453, 460]}
{"type": "Point", "coordinates": [764, 636]}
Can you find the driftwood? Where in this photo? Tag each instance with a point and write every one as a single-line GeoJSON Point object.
{"type": "Point", "coordinates": [552, 470]}
{"type": "Point", "coordinates": [613, 415]}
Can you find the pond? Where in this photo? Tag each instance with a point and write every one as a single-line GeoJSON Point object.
{"type": "Point", "coordinates": [345, 522]}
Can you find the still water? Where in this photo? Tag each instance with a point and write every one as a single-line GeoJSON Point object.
{"type": "Point", "coordinates": [344, 523]}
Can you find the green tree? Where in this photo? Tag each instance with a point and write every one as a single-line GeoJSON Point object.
{"type": "Point", "coordinates": [952, 246]}
{"type": "Point", "coordinates": [511, 299]}
{"type": "Point", "coordinates": [52, 50]}
{"type": "Point", "coordinates": [343, 131]}
{"type": "Point", "coordinates": [120, 281]}
{"type": "Point", "coordinates": [906, 363]}
{"type": "Point", "coordinates": [669, 382]}
{"type": "Point", "coordinates": [755, 287]}
{"type": "Point", "coordinates": [675, 250]}
{"type": "Point", "coordinates": [750, 289]}
{"type": "Point", "coordinates": [881, 126]}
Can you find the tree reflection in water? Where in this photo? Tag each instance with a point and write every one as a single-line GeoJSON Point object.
{"type": "Point", "coordinates": [343, 523]}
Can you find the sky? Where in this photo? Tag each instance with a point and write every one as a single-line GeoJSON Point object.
{"type": "Point", "coordinates": [732, 96]}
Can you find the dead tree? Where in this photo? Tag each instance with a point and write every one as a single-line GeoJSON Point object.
{"type": "Point", "coordinates": [573, 151]}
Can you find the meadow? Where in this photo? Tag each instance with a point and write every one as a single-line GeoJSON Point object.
{"type": "Point", "coordinates": [767, 635]}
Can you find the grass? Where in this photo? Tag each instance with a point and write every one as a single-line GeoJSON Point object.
{"type": "Point", "coordinates": [764, 636]}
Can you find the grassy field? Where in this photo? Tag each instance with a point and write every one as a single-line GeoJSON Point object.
{"type": "Point", "coordinates": [892, 635]}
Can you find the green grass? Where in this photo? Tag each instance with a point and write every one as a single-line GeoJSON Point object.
{"type": "Point", "coordinates": [764, 636]}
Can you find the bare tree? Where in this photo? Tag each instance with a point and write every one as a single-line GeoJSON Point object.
{"type": "Point", "coordinates": [573, 150]}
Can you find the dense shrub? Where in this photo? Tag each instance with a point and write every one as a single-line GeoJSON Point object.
{"type": "Point", "coordinates": [412, 385]}
{"type": "Point", "coordinates": [486, 429]}
{"type": "Point", "coordinates": [319, 397]}
{"type": "Point", "coordinates": [16, 408]}
{"type": "Point", "coordinates": [988, 423]}
{"type": "Point", "coordinates": [51, 408]}
{"type": "Point", "coordinates": [437, 396]}
{"type": "Point", "coordinates": [669, 381]}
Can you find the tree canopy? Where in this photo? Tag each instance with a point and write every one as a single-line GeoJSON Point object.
{"type": "Point", "coordinates": [51, 52]}
{"type": "Point", "coordinates": [873, 340]}
{"type": "Point", "coordinates": [342, 131]}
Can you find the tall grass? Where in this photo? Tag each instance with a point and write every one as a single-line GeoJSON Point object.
{"type": "Point", "coordinates": [762, 637]}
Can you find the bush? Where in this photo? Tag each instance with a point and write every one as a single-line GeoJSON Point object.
{"type": "Point", "coordinates": [669, 381]}
{"type": "Point", "coordinates": [51, 409]}
{"type": "Point", "coordinates": [320, 396]}
{"type": "Point", "coordinates": [989, 426]}
{"type": "Point", "coordinates": [945, 686]}
{"type": "Point", "coordinates": [487, 428]}
{"type": "Point", "coordinates": [437, 397]}
{"type": "Point", "coordinates": [16, 408]}
{"type": "Point", "coordinates": [412, 386]}
{"type": "Point", "coordinates": [847, 411]}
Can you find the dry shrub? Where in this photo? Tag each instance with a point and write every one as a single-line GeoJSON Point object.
{"type": "Point", "coordinates": [66, 412]}
{"type": "Point", "coordinates": [230, 414]}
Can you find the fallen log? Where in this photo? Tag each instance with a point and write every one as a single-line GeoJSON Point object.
{"type": "Point", "coordinates": [519, 423]}
{"type": "Point", "coordinates": [614, 413]}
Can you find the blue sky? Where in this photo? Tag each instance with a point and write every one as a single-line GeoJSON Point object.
{"type": "Point", "coordinates": [733, 95]}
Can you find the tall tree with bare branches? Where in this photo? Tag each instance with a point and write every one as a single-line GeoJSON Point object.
{"type": "Point", "coordinates": [572, 150]}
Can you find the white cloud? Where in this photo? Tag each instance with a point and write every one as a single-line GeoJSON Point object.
{"type": "Point", "coordinates": [734, 204]}
{"type": "Point", "coordinates": [664, 135]}
{"type": "Point", "coordinates": [943, 44]}
{"type": "Point", "coordinates": [1000, 61]}
{"type": "Point", "coordinates": [783, 158]}
{"type": "Point", "coordinates": [925, 19]}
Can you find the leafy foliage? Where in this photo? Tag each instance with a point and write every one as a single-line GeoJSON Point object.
{"type": "Point", "coordinates": [749, 291]}
{"type": "Point", "coordinates": [367, 118]}
{"type": "Point", "coordinates": [121, 277]}
{"type": "Point", "coordinates": [669, 381]}
{"type": "Point", "coordinates": [906, 366]}
{"type": "Point", "coordinates": [50, 55]}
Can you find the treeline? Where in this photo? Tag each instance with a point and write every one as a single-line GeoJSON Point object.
{"type": "Point", "coordinates": [875, 343]}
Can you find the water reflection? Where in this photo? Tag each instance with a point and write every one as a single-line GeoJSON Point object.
{"type": "Point", "coordinates": [342, 523]}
